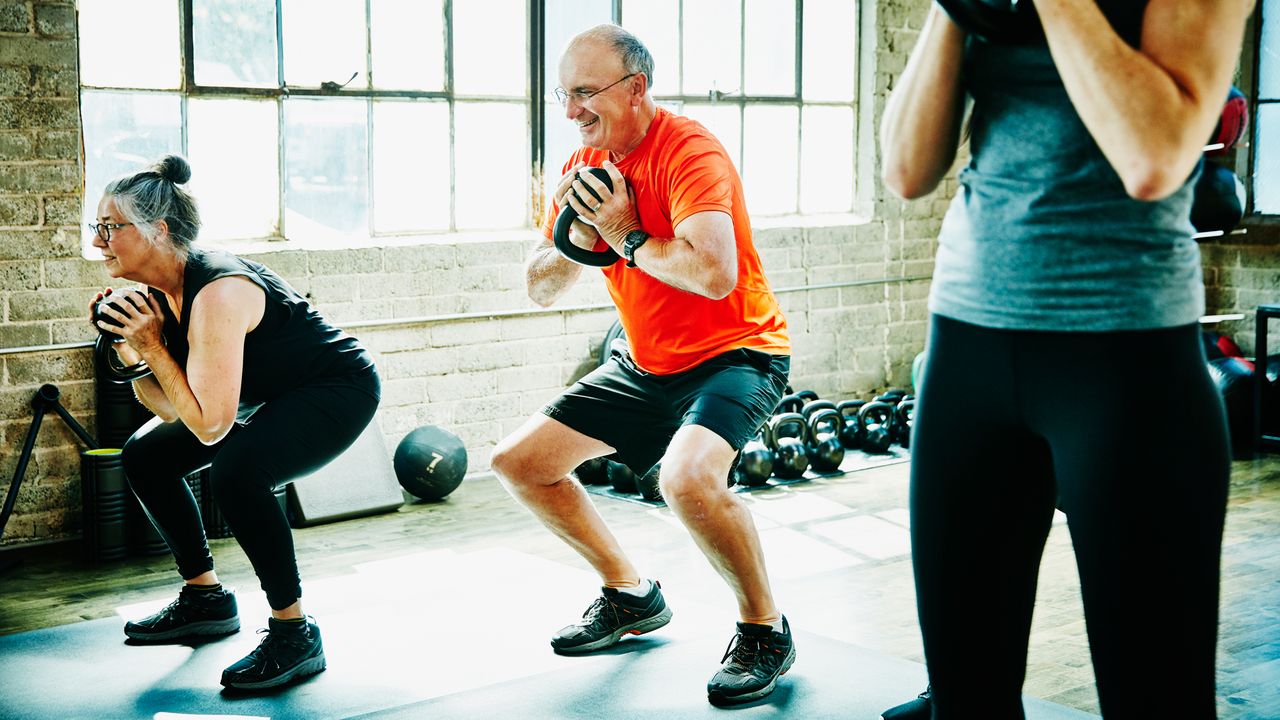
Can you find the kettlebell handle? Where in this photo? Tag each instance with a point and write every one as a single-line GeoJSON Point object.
{"type": "Point", "coordinates": [777, 422]}
{"type": "Point", "coordinates": [560, 233]}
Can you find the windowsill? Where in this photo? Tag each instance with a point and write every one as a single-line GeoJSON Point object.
{"type": "Point", "coordinates": [809, 221]}
{"type": "Point", "coordinates": [348, 242]}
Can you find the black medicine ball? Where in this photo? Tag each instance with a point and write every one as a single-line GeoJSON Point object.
{"type": "Point", "coordinates": [430, 462]}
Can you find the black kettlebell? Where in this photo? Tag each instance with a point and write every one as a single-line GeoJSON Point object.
{"type": "Point", "coordinates": [1004, 22]}
{"type": "Point", "coordinates": [807, 395]}
{"type": "Point", "coordinates": [814, 406]}
{"type": "Point", "coordinates": [789, 403]}
{"type": "Point", "coordinates": [825, 451]}
{"type": "Point", "coordinates": [103, 354]}
{"type": "Point", "coordinates": [790, 452]}
{"type": "Point", "coordinates": [560, 234]}
{"type": "Point", "coordinates": [622, 478]}
{"type": "Point", "coordinates": [903, 416]}
{"type": "Point", "coordinates": [851, 431]}
{"type": "Point", "coordinates": [593, 472]}
{"type": "Point", "coordinates": [892, 396]}
{"type": "Point", "coordinates": [876, 418]}
{"type": "Point", "coordinates": [647, 484]}
{"type": "Point", "coordinates": [756, 464]}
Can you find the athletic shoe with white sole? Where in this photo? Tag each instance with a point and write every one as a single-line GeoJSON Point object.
{"type": "Point", "coordinates": [755, 659]}
{"type": "Point", "coordinates": [610, 617]}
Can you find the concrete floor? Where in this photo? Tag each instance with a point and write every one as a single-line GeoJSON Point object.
{"type": "Point", "coordinates": [838, 555]}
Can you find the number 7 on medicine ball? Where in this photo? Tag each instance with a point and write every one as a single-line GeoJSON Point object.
{"type": "Point", "coordinates": [430, 462]}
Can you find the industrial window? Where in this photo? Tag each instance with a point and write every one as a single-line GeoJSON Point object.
{"type": "Point", "coordinates": [316, 120]}
{"type": "Point", "coordinates": [1266, 145]}
{"type": "Point", "coordinates": [774, 80]}
{"type": "Point", "coordinates": [337, 121]}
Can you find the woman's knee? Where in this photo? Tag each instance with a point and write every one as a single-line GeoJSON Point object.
{"type": "Point", "coordinates": [141, 464]}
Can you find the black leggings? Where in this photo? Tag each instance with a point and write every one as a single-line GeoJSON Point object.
{"type": "Point", "coordinates": [1126, 431]}
{"type": "Point", "coordinates": [291, 436]}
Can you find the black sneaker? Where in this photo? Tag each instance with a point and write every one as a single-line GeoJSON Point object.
{"type": "Point", "coordinates": [611, 616]}
{"type": "Point", "coordinates": [919, 709]}
{"type": "Point", "coordinates": [195, 613]}
{"type": "Point", "coordinates": [290, 650]}
{"type": "Point", "coordinates": [757, 656]}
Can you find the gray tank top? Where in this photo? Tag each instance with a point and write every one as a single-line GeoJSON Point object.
{"type": "Point", "coordinates": [1041, 234]}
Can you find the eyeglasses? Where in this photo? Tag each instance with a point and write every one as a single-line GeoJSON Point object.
{"type": "Point", "coordinates": [563, 95]}
{"type": "Point", "coordinates": [104, 230]}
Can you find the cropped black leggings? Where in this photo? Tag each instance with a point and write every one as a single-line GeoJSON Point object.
{"type": "Point", "coordinates": [1127, 432]}
{"type": "Point", "coordinates": [291, 436]}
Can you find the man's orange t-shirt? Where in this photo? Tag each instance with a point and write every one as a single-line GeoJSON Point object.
{"type": "Point", "coordinates": [680, 169]}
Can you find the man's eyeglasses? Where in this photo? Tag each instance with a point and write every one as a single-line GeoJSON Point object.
{"type": "Point", "coordinates": [104, 230]}
{"type": "Point", "coordinates": [563, 95]}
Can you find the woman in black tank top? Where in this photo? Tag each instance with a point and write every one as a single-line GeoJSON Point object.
{"type": "Point", "coordinates": [247, 379]}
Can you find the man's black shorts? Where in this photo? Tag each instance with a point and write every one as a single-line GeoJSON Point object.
{"type": "Point", "coordinates": [732, 395]}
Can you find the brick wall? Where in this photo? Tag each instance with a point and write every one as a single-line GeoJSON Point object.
{"type": "Point", "coordinates": [1242, 272]}
{"type": "Point", "coordinates": [479, 375]}
{"type": "Point", "coordinates": [40, 179]}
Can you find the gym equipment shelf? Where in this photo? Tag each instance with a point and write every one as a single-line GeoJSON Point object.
{"type": "Point", "coordinates": [1262, 441]}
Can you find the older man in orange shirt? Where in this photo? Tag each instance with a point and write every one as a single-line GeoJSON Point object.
{"type": "Point", "coordinates": [705, 363]}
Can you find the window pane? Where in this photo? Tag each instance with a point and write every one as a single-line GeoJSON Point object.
{"type": "Point", "coordinates": [565, 18]}
{"type": "Point", "coordinates": [1266, 174]}
{"type": "Point", "coordinates": [323, 45]}
{"type": "Point", "coordinates": [1269, 52]}
{"type": "Point", "coordinates": [725, 122]}
{"type": "Point", "coordinates": [235, 42]}
{"type": "Point", "coordinates": [771, 145]}
{"type": "Point", "coordinates": [657, 24]}
{"type": "Point", "coordinates": [235, 175]}
{"type": "Point", "coordinates": [326, 168]}
{"type": "Point", "coordinates": [492, 177]}
{"type": "Point", "coordinates": [771, 48]}
{"type": "Point", "coordinates": [712, 46]}
{"type": "Point", "coordinates": [490, 48]}
{"type": "Point", "coordinates": [410, 166]}
{"type": "Point", "coordinates": [830, 49]}
{"type": "Point", "coordinates": [408, 44]}
{"type": "Point", "coordinates": [826, 159]}
{"type": "Point", "coordinates": [124, 133]}
{"type": "Point", "coordinates": [114, 34]}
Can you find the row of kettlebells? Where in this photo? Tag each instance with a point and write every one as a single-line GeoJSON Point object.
{"type": "Point", "coordinates": [808, 432]}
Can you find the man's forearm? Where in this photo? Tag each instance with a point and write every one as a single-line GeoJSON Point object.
{"type": "Point", "coordinates": [549, 275]}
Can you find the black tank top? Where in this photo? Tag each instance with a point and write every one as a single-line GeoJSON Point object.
{"type": "Point", "coordinates": [292, 346]}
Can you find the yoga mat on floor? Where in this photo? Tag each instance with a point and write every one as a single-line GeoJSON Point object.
{"type": "Point", "coordinates": [438, 634]}
{"type": "Point", "coordinates": [86, 671]}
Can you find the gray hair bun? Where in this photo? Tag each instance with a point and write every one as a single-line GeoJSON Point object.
{"type": "Point", "coordinates": [173, 168]}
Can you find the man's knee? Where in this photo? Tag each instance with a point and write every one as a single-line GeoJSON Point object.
{"type": "Point", "coordinates": [512, 461]}
{"type": "Point", "coordinates": [691, 484]}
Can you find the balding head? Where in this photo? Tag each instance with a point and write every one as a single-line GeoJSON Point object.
{"type": "Point", "coordinates": [632, 53]}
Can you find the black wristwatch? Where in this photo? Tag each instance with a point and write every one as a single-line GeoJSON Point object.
{"type": "Point", "coordinates": [631, 243]}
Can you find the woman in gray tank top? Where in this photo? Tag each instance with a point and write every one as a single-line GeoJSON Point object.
{"type": "Point", "coordinates": [1067, 279]}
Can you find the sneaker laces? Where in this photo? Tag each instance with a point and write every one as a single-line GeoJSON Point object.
{"type": "Point", "coordinates": [299, 640]}
{"type": "Point", "coordinates": [745, 649]}
{"type": "Point", "coordinates": [598, 607]}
